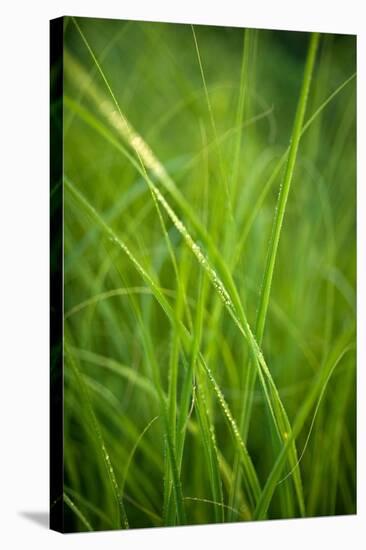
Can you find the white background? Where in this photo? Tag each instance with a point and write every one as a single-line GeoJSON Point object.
{"type": "Point", "coordinates": [24, 379]}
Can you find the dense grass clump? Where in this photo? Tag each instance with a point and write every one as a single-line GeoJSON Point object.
{"type": "Point", "coordinates": [209, 274]}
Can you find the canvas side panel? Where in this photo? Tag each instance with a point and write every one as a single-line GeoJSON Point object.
{"type": "Point", "coordinates": [56, 274]}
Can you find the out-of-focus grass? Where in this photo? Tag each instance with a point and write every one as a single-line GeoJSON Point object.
{"type": "Point", "coordinates": [209, 273]}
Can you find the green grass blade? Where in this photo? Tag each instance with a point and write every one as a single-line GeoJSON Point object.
{"type": "Point", "coordinates": [281, 418]}
{"type": "Point", "coordinates": [316, 393]}
{"type": "Point", "coordinates": [94, 509]}
{"type": "Point", "coordinates": [107, 461]}
{"type": "Point", "coordinates": [214, 130]}
{"type": "Point", "coordinates": [285, 187]}
{"type": "Point", "coordinates": [133, 450]}
{"type": "Point", "coordinates": [77, 512]}
{"type": "Point", "coordinates": [210, 449]}
{"type": "Point", "coordinates": [252, 484]}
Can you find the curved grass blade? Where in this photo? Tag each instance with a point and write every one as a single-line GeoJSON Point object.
{"type": "Point", "coordinates": [77, 512]}
{"type": "Point", "coordinates": [316, 393]}
{"type": "Point", "coordinates": [200, 402]}
{"type": "Point", "coordinates": [107, 461]}
{"type": "Point", "coordinates": [210, 450]}
{"type": "Point", "coordinates": [214, 503]}
{"type": "Point", "coordinates": [133, 450]}
{"type": "Point", "coordinates": [142, 382]}
{"type": "Point", "coordinates": [283, 423]}
{"type": "Point", "coordinates": [252, 484]}
{"type": "Point", "coordinates": [226, 276]}
{"type": "Point", "coordinates": [146, 157]}
{"type": "Point", "coordinates": [96, 511]}
{"type": "Point", "coordinates": [276, 171]}
{"type": "Point", "coordinates": [214, 130]}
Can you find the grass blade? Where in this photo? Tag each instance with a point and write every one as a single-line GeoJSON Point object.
{"type": "Point", "coordinates": [317, 391]}
{"type": "Point", "coordinates": [251, 480]}
{"type": "Point", "coordinates": [77, 512]}
{"type": "Point", "coordinates": [284, 425]}
{"type": "Point", "coordinates": [107, 461]}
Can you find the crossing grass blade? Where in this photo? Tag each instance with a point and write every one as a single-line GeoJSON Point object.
{"type": "Point", "coordinates": [316, 393]}
{"type": "Point", "coordinates": [284, 428]}
{"type": "Point", "coordinates": [107, 462]}
{"type": "Point", "coordinates": [174, 142]}
{"type": "Point", "coordinates": [231, 303]}
{"type": "Point", "coordinates": [77, 512]}
{"type": "Point", "coordinates": [251, 480]}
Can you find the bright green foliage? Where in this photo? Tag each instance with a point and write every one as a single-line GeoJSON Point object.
{"type": "Point", "coordinates": [209, 274]}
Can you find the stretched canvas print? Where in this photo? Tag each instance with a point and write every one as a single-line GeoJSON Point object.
{"type": "Point", "coordinates": [203, 274]}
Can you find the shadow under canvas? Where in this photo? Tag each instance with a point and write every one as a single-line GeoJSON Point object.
{"type": "Point", "coordinates": [40, 518]}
